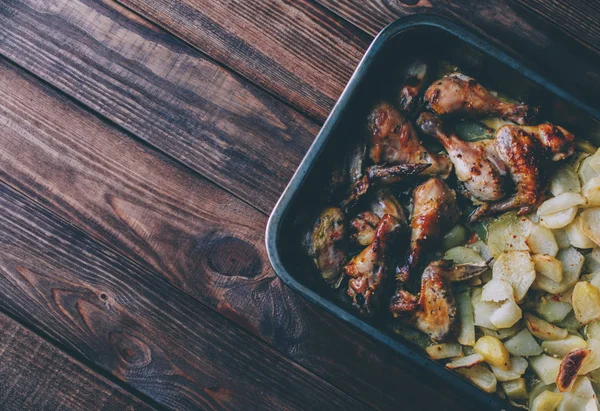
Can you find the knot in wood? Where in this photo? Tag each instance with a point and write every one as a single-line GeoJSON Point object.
{"type": "Point", "coordinates": [131, 350]}
{"type": "Point", "coordinates": [234, 257]}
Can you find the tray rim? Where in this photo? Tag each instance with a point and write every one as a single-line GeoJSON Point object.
{"type": "Point", "coordinates": [275, 219]}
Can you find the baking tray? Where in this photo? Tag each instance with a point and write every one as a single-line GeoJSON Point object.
{"type": "Point", "coordinates": [376, 77]}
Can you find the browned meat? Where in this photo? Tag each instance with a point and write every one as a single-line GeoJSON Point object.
{"type": "Point", "coordinates": [434, 313]}
{"type": "Point", "coordinates": [362, 228]}
{"type": "Point", "coordinates": [369, 269]}
{"type": "Point", "coordinates": [476, 163]}
{"type": "Point", "coordinates": [434, 211]}
{"type": "Point", "coordinates": [557, 141]}
{"type": "Point", "coordinates": [413, 83]}
{"type": "Point", "coordinates": [459, 95]}
{"type": "Point", "coordinates": [329, 245]}
{"type": "Point", "coordinates": [395, 141]}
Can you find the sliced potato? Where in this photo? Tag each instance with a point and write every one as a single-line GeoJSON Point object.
{"type": "Point", "coordinates": [586, 171]}
{"type": "Point", "coordinates": [466, 334]}
{"type": "Point", "coordinates": [590, 224]}
{"type": "Point", "coordinates": [591, 192]}
{"type": "Point", "coordinates": [542, 329]}
{"type": "Point", "coordinates": [569, 369]}
{"type": "Point", "coordinates": [482, 249]}
{"type": "Point", "coordinates": [564, 180]}
{"type": "Point", "coordinates": [572, 261]}
{"type": "Point", "coordinates": [497, 290]}
{"type": "Point", "coordinates": [508, 233]}
{"type": "Point", "coordinates": [592, 362]}
{"type": "Point", "coordinates": [546, 401]}
{"type": "Point", "coordinates": [517, 268]}
{"type": "Point", "coordinates": [562, 239]}
{"type": "Point", "coordinates": [572, 402]}
{"type": "Point", "coordinates": [441, 351]}
{"type": "Point", "coordinates": [577, 237]}
{"type": "Point", "coordinates": [502, 333]}
{"type": "Point", "coordinates": [592, 261]}
{"type": "Point", "coordinates": [570, 323]}
{"type": "Point", "coordinates": [507, 315]}
{"type": "Point", "coordinates": [483, 310]}
{"type": "Point", "coordinates": [493, 352]}
{"type": "Point", "coordinates": [465, 362]}
{"type": "Point", "coordinates": [463, 255]}
{"type": "Point", "coordinates": [518, 366]}
{"type": "Point", "coordinates": [523, 344]}
{"type": "Point", "coordinates": [560, 203]}
{"type": "Point", "coordinates": [541, 241]}
{"type": "Point", "coordinates": [561, 348]}
{"type": "Point", "coordinates": [585, 146]}
{"type": "Point", "coordinates": [586, 302]}
{"type": "Point", "coordinates": [545, 367]}
{"type": "Point", "coordinates": [552, 310]}
{"type": "Point", "coordinates": [560, 219]}
{"type": "Point", "coordinates": [515, 389]}
{"type": "Point", "coordinates": [458, 235]}
{"type": "Point", "coordinates": [583, 388]}
{"type": "Point", "coordinates": [592, 330]}
{"type": "Point", "coordinates": [548, 266]}
{"type": "Point", "coordinates": [481, 377]}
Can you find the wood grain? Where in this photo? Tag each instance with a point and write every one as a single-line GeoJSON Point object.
{"type": "Point", "coordinates": [118, 315]}
{"type": "Point", "coordinates": [161, 90]}
{"type": "Point", "coordinates": [35, 375]}
{"type": "Point", "coordinates": [294, 49]}
{"type": "Point", "coordinates": [196, 236]}
{"type": "Point", "coordinates": [507, 24]}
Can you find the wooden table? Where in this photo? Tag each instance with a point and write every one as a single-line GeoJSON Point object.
{"type": "Point", "coordinates": [143, 144]}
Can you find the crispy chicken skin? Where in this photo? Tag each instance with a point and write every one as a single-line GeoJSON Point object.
{"type": "Point", "coordinates": [362, 228]}
{"type": "Point", "coordinates": [557, 142]}
{"type": "Point", "coordinates": [434, 211]}
{"type": "Point", "coordinates": [411, 88]}
{"type": "Point", "coordinates": [476, 163]}
{"type": "Point", "coordinates": [329, 245]}
{"type": "Point", "coordinates": [395, 141]}
{"type": "Point", "coordinates": [459, 95]}
{"type": "Point", "coordinates": [368, 270]}
{"type": "Point", "coordinates": [527, 152]}
{"type": "Point", "coordinates": [435, 308]}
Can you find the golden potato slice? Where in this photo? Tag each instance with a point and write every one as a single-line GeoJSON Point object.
{"type": "Point", "coordinates": [548, 266]}
{"type": "Point", "coordinates": [590, 224]}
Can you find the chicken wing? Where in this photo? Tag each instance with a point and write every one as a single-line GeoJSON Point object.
{"type": "Point", "coordinates": [476, 163]}
{"type": "Point", "coordinates": [435, 309]}
{"type": "Point", "coordinates": [557, 142]}
{"type": "Point", "coordinates": [459, 95]}
{"type": "Point", "coordinates": [395, 141]}
{"type": "Point", "coordinates": [434, 211]}
{"type": "Point", "coordinates": [362, 228]}
{"type": "Point", "coordinates": [411, 88]}
{"type": "Point", "coordinates": [328, 245]}
{"type": "Point", "coordinates": [369, 269]}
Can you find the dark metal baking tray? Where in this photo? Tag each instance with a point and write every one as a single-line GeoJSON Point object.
{"type": "Point", "coordinates": [395, 47]}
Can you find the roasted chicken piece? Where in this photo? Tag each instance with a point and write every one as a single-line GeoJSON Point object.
{"type": "Point", "coordinates": [557, 142]}
{"type": "Point", "coordinates": [476, 163]}
{"type": "Point", "coordinates": [459, 95]}
{"type": "Point", "coordinates": [362, 228]}
{"type": "Point", "coordinates": [435, 308]}
{"type": "Point", "coordinates": [527, 152]}
{"type": "Point", "coordinates": [328, 245]}
{"type": "Point", "coordinates": [412, 86]}
{"type": "Point", "coordinates": [395, 141]}
{"type": "Point", "coordinates": [369, 269]}
{"type": "Point", "coordinates": [434, 212]}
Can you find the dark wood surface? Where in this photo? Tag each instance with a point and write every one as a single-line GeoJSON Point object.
{"type": "Point", "coordinates": [143, 144]}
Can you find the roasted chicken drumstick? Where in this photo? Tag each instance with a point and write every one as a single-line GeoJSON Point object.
{"type": "Point", "coordinates": [476, 163]}
{"type": "Point", "coordinates": [434, 211]}
{"type": "Point", "coordinates": [459, 95]}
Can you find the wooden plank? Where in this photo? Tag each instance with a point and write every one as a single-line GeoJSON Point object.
{"type": "Point", "coordinates": [580, 19]}
{"type": "Point", "coordinates": [149, 334]}
{"type": "Point", "coordinates": [161, 90]}
{"type": "Point", "coordinates": [505, 23]}
{"type": "Point", "coordinates": [294, 49]}
{"type": "Point", "coordinates": [199, 238]}
{"type": "Point", "coordinates": [36, 375]}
